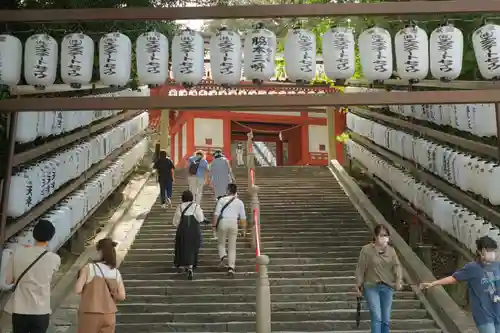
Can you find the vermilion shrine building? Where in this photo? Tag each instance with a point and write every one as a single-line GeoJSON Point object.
{"type": "Point", "coordinates": [299, 137]}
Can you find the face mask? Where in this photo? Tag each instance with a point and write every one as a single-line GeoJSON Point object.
{"type": "Point", "coordinates": [489, 256]}
{"type": "Point", "coordinates": [384, 240]}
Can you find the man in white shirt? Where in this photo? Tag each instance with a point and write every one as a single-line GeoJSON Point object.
{"type": "Point", "coordinates": [30, 301]}
{"type": "Point", "coordinates": [228, 211]}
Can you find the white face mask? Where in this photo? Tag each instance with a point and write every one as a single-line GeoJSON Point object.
{"type": "Point", "coordinates": [384, 240]}
{"type": "Point", "coordinates": [489, 256]}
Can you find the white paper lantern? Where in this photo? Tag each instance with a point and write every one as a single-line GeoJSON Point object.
{"type": "Point", "coordinates": [40, 60]}
{"type": "Point", "coordinates": [300, 55]}
{"type": "Point", "coordinates": [338, 53]}
{"type": "Point", "coordinates": [486, 43]}
{"type": "Point", "coordinates": [77, 59]}
{"type": "Point", "coordinates": [11, 57]}
{"type": "Point", "coordinates": [412, 53]}
{"type": "Point", "coordinates": [188, 57]}
{"type": "Point", "coordinates": [375, 54]}
{"type": "Point", "coordinates": [152, 58]}
{"type": "Point", "coordinates": [259, 51]}
{"type": "Point", "coordinates": [225, 57]}
{"type": "Point", "coordinates": [115, 59]}
{"type": "Point", "coordinates": [446, 52]}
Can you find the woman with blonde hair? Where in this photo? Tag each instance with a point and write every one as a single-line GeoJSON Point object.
{"type": "Point", "coordinates": [100, 286]}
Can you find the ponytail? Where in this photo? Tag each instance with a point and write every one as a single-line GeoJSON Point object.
{"type": "Point", "coordinates": [107, 248]}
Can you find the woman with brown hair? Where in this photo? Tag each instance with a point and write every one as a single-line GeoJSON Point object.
{"type": "Point", "coordinates": [378, 274]}
{"type": "Point", "coordinates": [100, 286]}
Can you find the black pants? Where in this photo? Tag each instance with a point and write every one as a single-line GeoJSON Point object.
{"type": "Point", "coordinates": [25, 323]}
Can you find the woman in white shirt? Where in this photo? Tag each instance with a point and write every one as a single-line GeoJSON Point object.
{"type": "Point", "coordinates": [188, 238]}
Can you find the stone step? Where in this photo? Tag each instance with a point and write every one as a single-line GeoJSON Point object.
{"type": "Point", "coordinates": [338, 307]}
{"type": "Point", "coordinates": [138, 262]}
{"type": "Point", "coordinates": [167, 256]}
{"type": "Point", "coordinates": [168, 242]}
{"type": "Point", "coordinates": [248, 289]}
{"type": "Point", "coordinates": [271, 251]}
{"type": "Point", "coordinates": [312, 234]}
{"type": "Point", "coordinates": [403, 325]}
{"type": "Point", "coordinates": [139, 274]}
{"type": "Point", "coordinates": [250, 297]}
{"type": "Point", "coordinates": [231, 316]}
{"type": "Point", "coordinates": [156, 267]}
{"type": "Point", "coordinates": [237, 281]}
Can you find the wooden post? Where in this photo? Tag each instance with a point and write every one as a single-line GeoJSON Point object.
{"type": "Point", "coordinates": [332, 137]}
{"type": "Point", "coordinates": [164, 130]}
{"type": "Point", "coordinates": [458, 291]}
{"type": "Point", "coordinates": [263, 303]}
{"type": "Point", "coordinates": [415, 235]}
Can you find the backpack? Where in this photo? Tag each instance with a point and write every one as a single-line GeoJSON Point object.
{"type": "Point", "coordinates": [193, 167]}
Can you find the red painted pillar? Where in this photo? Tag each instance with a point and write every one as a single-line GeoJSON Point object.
{"type": "Point", "coordinates": [304, 144]}
{"type": "Point", "coordinates": [279, 153]}
{"type": "Point", "coordinates": [227, 137]}
{"type": "Point", "coordinates": [340, 126]}
{"type": "Point", "coordinates": [190, 135]}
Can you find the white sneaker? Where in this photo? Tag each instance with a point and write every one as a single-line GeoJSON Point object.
{"type": "Point", "coordinates": [164, 206]}
{"type": "Point", "coordinates": [169, 202]}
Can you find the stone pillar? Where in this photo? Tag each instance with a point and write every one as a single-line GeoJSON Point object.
{"type": "Point", "coordinates": [263, 303]}
{"type": "Point", "coordinates": [254, 206]}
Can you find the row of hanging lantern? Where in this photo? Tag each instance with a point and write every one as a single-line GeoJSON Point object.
{"type": "Point", "coordinates": [453, 218]}
{"type": "Point", "coordinates": [465, 171]}
{"type": "Point", "coordinates": [68, 214]}
{"type": "Point", "coordinates": [42, 178]}
{"type": "Point", "coordinates": [32, 125]}
{"type": "Point", "coordinates": [416, 53]}
{"type": "Point", "coordinates": [477, 119]}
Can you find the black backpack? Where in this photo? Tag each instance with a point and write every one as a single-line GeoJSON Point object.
{"type": "Point", "coordinates": [193, 167]}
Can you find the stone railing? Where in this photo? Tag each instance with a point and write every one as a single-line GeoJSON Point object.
{"type": "Point", "coordinates": [263, 299]}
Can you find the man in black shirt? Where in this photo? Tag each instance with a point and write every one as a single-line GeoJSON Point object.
{"type": "Point", "coordinates": [165, 168]}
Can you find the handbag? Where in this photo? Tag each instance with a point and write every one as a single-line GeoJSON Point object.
{"type": "Point", "coordinates": [219, 218]}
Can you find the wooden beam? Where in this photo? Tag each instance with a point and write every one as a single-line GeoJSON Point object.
{"type": "Point", "coordinates": [263, 101]}
{"type": "Point", "coordinates": [251, 12]}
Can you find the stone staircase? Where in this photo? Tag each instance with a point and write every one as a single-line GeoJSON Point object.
{"type": "Point", "coordinates": [312, 234]}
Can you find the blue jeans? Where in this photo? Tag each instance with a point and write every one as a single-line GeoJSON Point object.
{"type": "Point", "coordinates": [489, 328]}
{"type": "Point", "coordinates": [165, 190]}
{"type": "Point", "coordinates": [379, 299]}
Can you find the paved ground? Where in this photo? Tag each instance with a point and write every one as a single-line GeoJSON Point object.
{"type": "Point", "coordinates": [64, 319]}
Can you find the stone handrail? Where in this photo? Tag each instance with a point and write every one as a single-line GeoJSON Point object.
{"type": "Point", "coordinates": [263, 299]}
